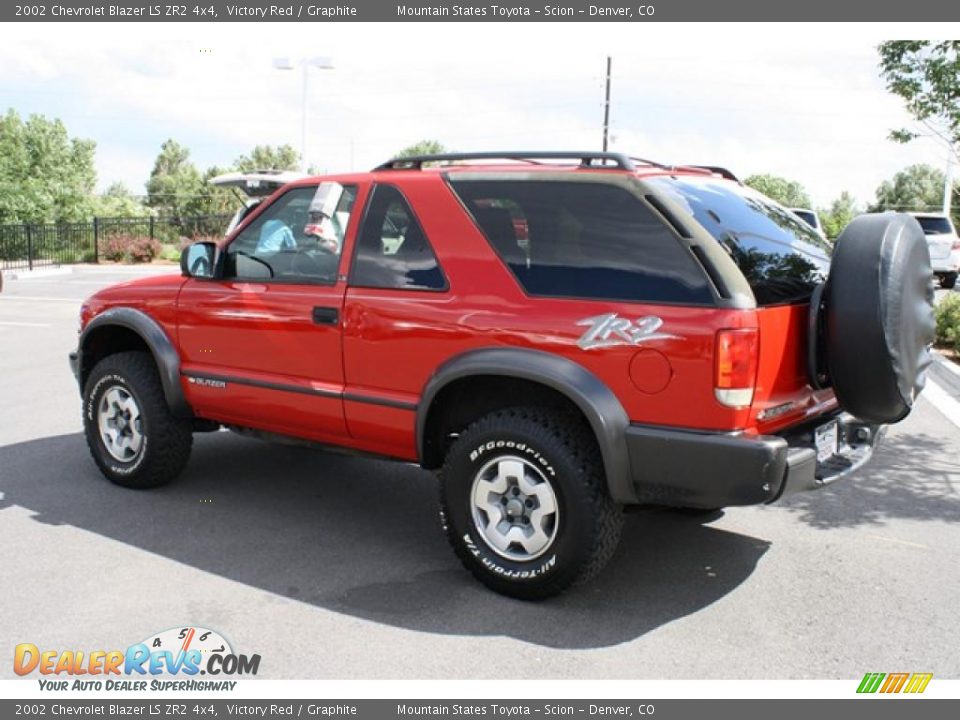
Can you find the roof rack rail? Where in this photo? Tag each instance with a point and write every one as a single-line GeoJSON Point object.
{"type": "Point", "coordinates": [651, 163]}
{"type": "Point", "coordinates": [715, 169]}
{"type": "Point", "coordinates": [586, 158]}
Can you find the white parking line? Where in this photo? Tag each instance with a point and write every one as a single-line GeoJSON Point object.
{"type": "Point", "coordinates": [941, 400]}
{"type": "Point", "coordinates": [899, 541]}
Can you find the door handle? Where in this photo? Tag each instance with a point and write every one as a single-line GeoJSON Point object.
{"type": "Point", "coordinates": [326, 315]}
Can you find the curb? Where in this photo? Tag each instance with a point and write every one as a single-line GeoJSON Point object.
{"type": "Point", "coordinates": [947, 364]}
{"type": "Point", "coordinates": [144, 269]}
{"type": "Point", "coordinates": [36, 274]}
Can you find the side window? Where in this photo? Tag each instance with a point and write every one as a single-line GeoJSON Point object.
{"type": "Point", "coordinates": [583, 240]}
{"type": "Point", "coordinates": [298, 239]}
{"type": "Point", "coordinates": [392, 249]}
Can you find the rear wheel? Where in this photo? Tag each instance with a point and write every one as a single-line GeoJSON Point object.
{"type": "Point", "coordinates": [133, 438]}
{"type": "Point", "coordinates": [948, 280]}
{"type": "Point", "coordinates": [524, 503]}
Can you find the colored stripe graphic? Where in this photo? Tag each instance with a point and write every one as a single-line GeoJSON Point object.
{"type": "Point", "coordinates": [894, 682]}
{"type": "Point", "coordinates": [918, 682]}
{"type": "Point", "coordinates": [870, 682]}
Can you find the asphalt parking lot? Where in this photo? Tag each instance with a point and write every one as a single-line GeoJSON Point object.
{"type": "Point", "coordinates": [336, 567]}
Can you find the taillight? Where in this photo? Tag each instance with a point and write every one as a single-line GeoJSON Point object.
{"type": "Point", "coordinates": [736, 369]}
{"type": "Point", "coordinates": [956, 245]}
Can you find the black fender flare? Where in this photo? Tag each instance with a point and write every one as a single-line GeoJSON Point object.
{"type": "Point", "coordinates": [164, 353]}
{"type": "Point", "coordinates": [595, 400]}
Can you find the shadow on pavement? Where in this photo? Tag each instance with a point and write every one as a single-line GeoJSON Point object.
{"type": "Point", "coordinates": [362, 537]}
{"type": "Point", "coordinates": [911, 476]}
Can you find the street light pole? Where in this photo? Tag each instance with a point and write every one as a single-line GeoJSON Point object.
{"type": "Point", "coordinates": [319, 62]}
{"type": "Point", "coordinates": [948, 185]}
{"type": "Point", "coordinates": [303, 119]}
{"type": "Point", "coordinates": [606, 107]}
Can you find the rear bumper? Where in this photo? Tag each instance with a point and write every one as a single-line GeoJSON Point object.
{"type": "Point", "coordinates": [705, 470]}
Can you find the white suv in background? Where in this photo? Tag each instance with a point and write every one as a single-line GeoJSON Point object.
{"type": "Point", "coordinates": [253, 188]}
{"type": "Point", "coordinates": [811, 218]}
{"type": "Point", "coordinates": [944, 246]}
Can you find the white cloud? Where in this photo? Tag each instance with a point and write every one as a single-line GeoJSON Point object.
{"type": "Point", "coordinates": [799, 100]}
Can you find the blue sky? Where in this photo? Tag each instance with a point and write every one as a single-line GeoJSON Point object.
{"type": "Point", "coordinates": [803, 101]}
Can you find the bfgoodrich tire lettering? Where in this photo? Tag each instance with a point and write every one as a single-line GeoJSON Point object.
{"type": "Point", "coordinates": [162, 443]}
{"type": "Point", "coordinates": [580, 533]}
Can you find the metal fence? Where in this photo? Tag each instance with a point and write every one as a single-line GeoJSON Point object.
{"type": "Point", "coordinates": [27, 246]}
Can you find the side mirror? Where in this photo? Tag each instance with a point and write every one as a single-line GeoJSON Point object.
{"type": "Point", "coordinates": [198, 260]}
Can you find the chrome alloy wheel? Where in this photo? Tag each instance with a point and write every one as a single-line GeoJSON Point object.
{"type": "Point", "coordinates": [120, 424]}
{"type": "Point", "coordinates": [514, 508]}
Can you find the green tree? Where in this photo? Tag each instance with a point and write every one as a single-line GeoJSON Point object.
{"type": "Point", "coordinates": [269, 157]}
{"type": "Point", "coordinates": [175, 185]}
{"type": "Point", "coordinates": [118, 201]}
{"type": "Point", "coordinates": [45, 175]}
{"type": "Point", "coordinates": [215, 200]}
{"type": "Point", "coordinates": [424, 147]}
{"type": "Point", "coordinates": [926, 74]}
{"type": "Point", "coordinates": [918, 188]}
{"type": "Point", "coordinates": [841, 211]}
{"type": "Point", "coordinates": [786, 192]}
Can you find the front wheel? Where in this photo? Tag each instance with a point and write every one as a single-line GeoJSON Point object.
{"type": "Point", "coordinates": [948, 280]}
{"type": "Point", "coordinates": [133, 438]}
{"type": "Point", "coordinates": [524, 503]}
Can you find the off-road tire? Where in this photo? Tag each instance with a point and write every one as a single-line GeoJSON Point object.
{"type": "Point", "coordinates": [948, 281]}
{"type": "Point", "coordinates": [588, 522]}
{"type": "Point", "coordinates": [166, 440]}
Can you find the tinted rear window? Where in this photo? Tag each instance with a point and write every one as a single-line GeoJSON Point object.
{"type": "Point", "coordinates": [583, 240]}
{"type": "Point", "coordinates": [935, 225]}
{"type": "Point", "coordinates": [781, 256]}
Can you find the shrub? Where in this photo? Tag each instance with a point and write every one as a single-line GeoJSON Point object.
{"type": "Point", "coordinates": [948, 322]}
{"type": "Point", "coordinates": [129, 248]}
{"type": "Point", "coordinates": [170, 252]}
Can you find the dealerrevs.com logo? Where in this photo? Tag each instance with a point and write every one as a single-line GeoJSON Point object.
{"type": "Point", "coordinates": [169, 660]}
{"type": "Point", "coordinates": [888, 683]}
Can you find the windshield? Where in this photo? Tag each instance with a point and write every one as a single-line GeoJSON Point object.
{"type": "Point", "coordinates": [781, 256]}
{"type": "Point", "coordinates": [935, 225]}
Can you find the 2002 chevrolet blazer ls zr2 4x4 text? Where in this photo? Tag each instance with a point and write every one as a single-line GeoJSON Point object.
{"type": "Point", "coordinates": [559, 334]}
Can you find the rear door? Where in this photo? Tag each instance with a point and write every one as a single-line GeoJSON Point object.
{"type": "Point", "coordinates": [261, 344]}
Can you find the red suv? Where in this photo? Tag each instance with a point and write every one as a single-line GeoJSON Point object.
{"type": "Point", "coordinates": [558, 334]}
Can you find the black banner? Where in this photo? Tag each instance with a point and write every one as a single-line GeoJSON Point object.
{"type": "Point", "coordinates": [876, 709]}
{"type": "Point", "coordinates": [481, 11]}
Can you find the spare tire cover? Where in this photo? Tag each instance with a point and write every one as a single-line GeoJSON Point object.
{"type": "Point", "coordinates": [879, 316]}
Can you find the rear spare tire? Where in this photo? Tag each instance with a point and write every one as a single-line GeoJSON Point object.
{"type": "Point", "coordinates": [879, 325]}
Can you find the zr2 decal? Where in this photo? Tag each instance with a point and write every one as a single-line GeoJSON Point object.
{"type": "Point", "coordinates": [609, 330]}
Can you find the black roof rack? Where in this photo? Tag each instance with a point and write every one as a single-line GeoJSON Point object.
{"type": "Point", "coordinates": [651, 163]}
{"type": "Point", "coordinates": [721, 171]}
{"type": "Point", "coordinates": [587, 159]}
